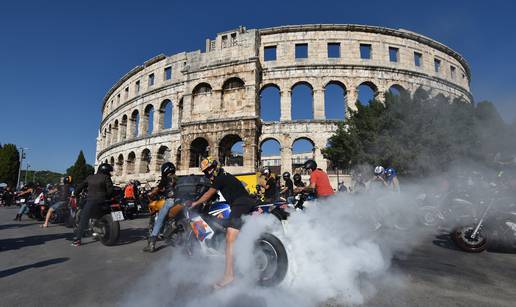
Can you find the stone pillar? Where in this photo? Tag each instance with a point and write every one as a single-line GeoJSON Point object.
{"type": "Point", "coordinates": [129, 132]}
{"type": "Point", "coordinates": [158, 120]}
{"type": "Point", "coordinates": [286, 159]}
{"type": "Point", "coordinates": [319, 159]}
{"type": "Point", "coordinates": [187, 106]}
{"type": "Point", "coordinates": [318, 104]}
{"type": "Point", "coordinates": [175, 115]}
{"type": "Point", "coordinates": [286, 105]}
{"type": "Point", "coordinates": [380, 95]}
{"type": "Point", "coordinates": [249, 149]}
{"type": "Point", "coordinates": [351, 100]}
{"type": "Point", "coordinates": [185, 156]}
{"type": "Point", "coordinates": [144, 123]}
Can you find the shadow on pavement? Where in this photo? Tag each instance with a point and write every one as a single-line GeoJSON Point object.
{"type": "Point", "coordinates": [445, 241]}
{"type": "Point", "coordinates": [9, 226]}
{"type": "Point", "coordinates": [17, 243]}
{"type": "Point", "coordinates": [40, 264]}
{"type": "Point", "coordinates": [131, 235]}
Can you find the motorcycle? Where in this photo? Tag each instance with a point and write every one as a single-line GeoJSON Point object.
{"type": "Point", "coordinates": [104, 225]}
{"type": "Point", "coordinates": [203, 230]}
{"type": "Point", "coordinates": [496, 227]}
{"type": "Point", "coordinates": [442, 209]}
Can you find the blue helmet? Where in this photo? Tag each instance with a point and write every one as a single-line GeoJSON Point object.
{"type": "Point", "coordinates": [390, 173]}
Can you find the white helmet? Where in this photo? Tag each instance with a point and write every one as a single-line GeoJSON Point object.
{"type": "Point", "coordinates": [379, 170]}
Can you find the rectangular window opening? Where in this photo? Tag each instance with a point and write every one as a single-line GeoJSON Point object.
{"type": "Point", "coordinates": [366, 51]}
{"type": "Point", "coordinates": [126, 92]}
{"type": "Point", "coordinates": [301, 51]}
{"type": "Point", "coordinates": [417, 59]}
{"type": "Point", "coordinates": [394, 54]}
{"type": "Point", "coordinates": [137, 87]}
{"type": "Point", "coordinates": [333, 50]}
{"type": "Point", "coordinates": [151, 79]}
{"type": "Point", "coordinates": [269, 53]}
{"type": "Point", "coordinates": [168, 73]}
{"type": "Point", "coordinates": [452, 71]}
{"type": "Point", "coordinates": [437, 65]}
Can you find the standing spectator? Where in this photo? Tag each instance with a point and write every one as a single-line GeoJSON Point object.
{"type": "Point", "coordinates": [269, 184]}
{"type": "Point", "coordinates": [391, 178]}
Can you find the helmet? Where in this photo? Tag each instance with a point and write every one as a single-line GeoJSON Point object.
{"type": "Point", "coordinates": [210, 167]}
{"type": "Point", "coordinates": [286, 175]}
{"type": "Point", "coordinates": [310, 164]}
{"type": "Point", "coordinates": [266, 171]}
{"type": "Point", "coordinates": [67, 179]}
{"type": "Point", "coordinates": [390, 172]}
{"type": "Point", "coordinates": [379, 170]}
{"type": "Point", "coordinates": [168, 168]}
{"type": "Point", "coordinates": [104, 168]}
{"type": "Point", "coordinates": [297, 177]}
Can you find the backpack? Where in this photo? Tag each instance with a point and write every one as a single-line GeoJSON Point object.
{"type": "Point", "coordinates": [129, 191]}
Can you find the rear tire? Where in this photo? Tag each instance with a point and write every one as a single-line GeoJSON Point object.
{"type": "Point", "coordinates": [110, 229]}
{"type": "Point", "coordinates": [462, 238]}
{"type": "Point", "coordinates": [272, 260]}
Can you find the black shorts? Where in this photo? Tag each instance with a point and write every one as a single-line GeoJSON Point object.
{"type": "Point", "coordinates": [240, 207]}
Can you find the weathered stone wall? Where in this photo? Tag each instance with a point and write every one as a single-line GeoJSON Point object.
{"type": "Point", "coordinates": [215, 95]}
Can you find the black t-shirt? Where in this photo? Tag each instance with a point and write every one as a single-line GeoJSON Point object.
{"type": "Point", "coordinates": [100, 187]}
{"type": "Point", "coordinates": [299, 184]}
{"type": "Point", "coordinates": [290, 187]}
{"type": "Point", "coordinates": [168, 185]}
{"type": "Point", "coordinates": [271, 191]}
{"type": "Point", "coordinates": [230, 187]}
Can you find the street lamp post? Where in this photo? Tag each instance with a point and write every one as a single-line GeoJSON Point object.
{"type": "Point", "coordinates": [22, 156]}
{"type": "Point", "coordinates": [26, 172]}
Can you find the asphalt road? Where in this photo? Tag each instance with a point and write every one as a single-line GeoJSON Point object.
{"type": "Point", "coordinates": [38, 267]}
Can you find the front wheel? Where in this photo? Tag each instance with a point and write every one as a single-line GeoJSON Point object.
{"type": "Point", "coordinates": [109, 230]}
{"type": "Point", "coordinates": [271, 260]}
{"type": "Point", "coordinates": [462, 237]}
{"type": "Point", "coordinates": [430, 216]}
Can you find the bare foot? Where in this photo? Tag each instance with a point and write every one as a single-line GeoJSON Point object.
{"type": "Point", "coordinates": [223, 283]}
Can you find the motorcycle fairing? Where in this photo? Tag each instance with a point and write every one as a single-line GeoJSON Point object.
{"type": "Point", "coordinates": [220, 210]}
{"type": "Point", "coordinates": [201, 229]}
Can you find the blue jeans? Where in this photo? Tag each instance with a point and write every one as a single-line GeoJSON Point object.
{"type": "Point", "coordinates": [162, 214]}
{"type": "Point", "coordinates": [23, 209]}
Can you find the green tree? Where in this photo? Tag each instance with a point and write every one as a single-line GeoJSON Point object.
{"type": "Point", "coordinates": [80, 170]}
{"type": "Point", "coordinates": [9, 164]}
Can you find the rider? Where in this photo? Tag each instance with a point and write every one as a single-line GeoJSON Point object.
{"type": "Point", "coordinates": [63, 195]}
{"type": "Point", "coordinates": [269, 185]}
{"type": "Point", "coordinates": [288, 189]}
{"type": "Point", "coordinates": [319, 181]}
{"type": "Point", "coordinates": [238, 199]}
{"type": "Point", "coordinates": [27, 191]}
{"type": "Point", "coordinates": [391, 178]}
{"type": "Point", "coordinates": [100, 188]}
{"type": "Point", "coordinates": [165, 188]}
{"type": "Point", "coordinates": [298, 183]}
{"type": "Point", "coordinates": [378, 182]}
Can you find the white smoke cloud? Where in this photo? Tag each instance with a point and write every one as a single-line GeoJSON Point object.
{"type": "Point", "coordinates": [340, 252]}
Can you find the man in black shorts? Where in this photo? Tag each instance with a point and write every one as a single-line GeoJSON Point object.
{"type": "Point", "coordinates": [240, 202]}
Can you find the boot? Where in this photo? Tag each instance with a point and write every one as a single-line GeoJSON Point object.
{"type": "Point", "coordinates": [151, 245]}
{"type": "Point", "coordinates": [18, 217]}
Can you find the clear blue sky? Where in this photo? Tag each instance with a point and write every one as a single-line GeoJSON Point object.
{"type": "Point", "coordinates": [58, 58]}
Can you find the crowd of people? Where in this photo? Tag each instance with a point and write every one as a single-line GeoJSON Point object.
{"type": "Point", "coordinates": [270, 189]}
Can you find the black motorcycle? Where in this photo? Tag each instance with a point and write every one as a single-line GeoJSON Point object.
{"type": "Point", "coordinates": [496, 228]}
{"type": "Point", "coordinates": [104, 224]}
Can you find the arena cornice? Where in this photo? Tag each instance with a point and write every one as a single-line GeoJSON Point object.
{"type": "Point", "coordinates": [372, 29]}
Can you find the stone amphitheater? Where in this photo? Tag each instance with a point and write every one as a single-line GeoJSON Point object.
{"type": "Point", "coordinates": [189, 105]}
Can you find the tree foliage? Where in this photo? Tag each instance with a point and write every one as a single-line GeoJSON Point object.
{"type": "Point", "coordinates": [9, 164]}
{"type": "Point", "coordinates": [419, 135]}
{"type": "Point", "coordinates": [42, 177]}
{"type": "Point", "coordinates": [80, 170]}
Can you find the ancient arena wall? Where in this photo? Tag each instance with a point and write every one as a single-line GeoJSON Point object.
{"type": "Point", "coordinates": [211, 99]}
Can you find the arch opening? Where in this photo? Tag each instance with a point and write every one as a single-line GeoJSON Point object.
{"type": "Point", "coordinates": [135, 123]}
{"type": "Point", "coordinates": [199, 149]}
{"type": "Point", "coordinates": [119, 165]}
{"type": "Point", "coordinates": [302, 149]}
{"type": "Point", "coordinates": [270, 103]}
{"type": "Point", "coordinates": [270, 155]}
{"type": "Point", "coordinates": [231, 150]}
{"type": "Point", "coordinates": [165, 117]}
{"type": "Point", "coordinates": [162, 156]}
{"type": "Point", "coordinates": [367, 92]}
{"type": "Point", "coordinates": [145, 161]}
{"type": "Point", "coordinates": [335, 100]}
{"type": "Point", "coordinates": [131, 159]}
{"type": "Point", "coordinates": [302, 101]}
{"type": "Point", "coordinates": [148, 119]}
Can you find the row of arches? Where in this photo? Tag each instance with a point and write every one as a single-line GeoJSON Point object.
{"type": "Point", "coordinates": [302, 99]}
{"type": "Point", "coordinates": [138, 123]}
{"type": "Point", "coordinates": [142, 162]}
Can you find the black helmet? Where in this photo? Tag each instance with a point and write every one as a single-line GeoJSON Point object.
{"type": "Point", "coordinates": [105, 169]}
{"type": "Point", "coordinates": [286, 175]}
{"type": "Point", "coordinates": [297, 177]}
{"type": "Point", "coordinates": [168, 168]}
{"type": "Point", "coordinates": [310, 164]}
{"type": "Point", "coordinates": [67, 180]}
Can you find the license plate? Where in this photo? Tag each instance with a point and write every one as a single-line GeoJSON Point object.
{"type": "Point", "coordinates": [130, 204]}
{"type": "Point", "coordinates": [117, 216]}
{"type": "Point", "coordinates": [22, 200]}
